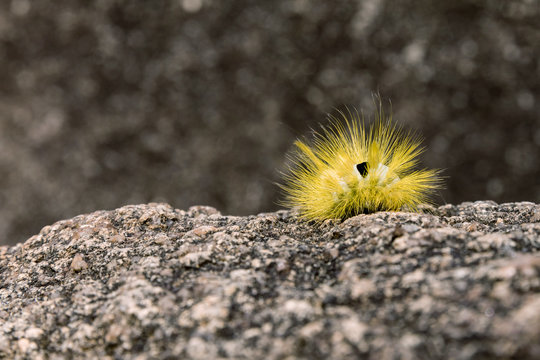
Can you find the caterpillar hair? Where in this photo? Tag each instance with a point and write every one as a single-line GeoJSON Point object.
{"type": "Point", "coordinates": [349, 168]}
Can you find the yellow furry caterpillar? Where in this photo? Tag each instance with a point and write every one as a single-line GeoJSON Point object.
{"type": "Point", "coordinates": [349, 169]}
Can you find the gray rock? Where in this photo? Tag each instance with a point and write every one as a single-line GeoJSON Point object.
{"type": "Point", "coordinates": [153, 282]}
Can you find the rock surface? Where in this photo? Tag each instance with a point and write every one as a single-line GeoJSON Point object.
{"type": "Point", "coordinates": [153, 282]}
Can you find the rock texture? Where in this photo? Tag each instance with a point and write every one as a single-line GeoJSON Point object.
{"type": "Point", "coordinates": [153, 282]}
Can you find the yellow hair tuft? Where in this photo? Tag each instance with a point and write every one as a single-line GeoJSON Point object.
{"type": "Point", "coordinates": [350, 169]}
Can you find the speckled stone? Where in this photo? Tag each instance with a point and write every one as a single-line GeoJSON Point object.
{"type": "Point", "coordinates": [153, 282]}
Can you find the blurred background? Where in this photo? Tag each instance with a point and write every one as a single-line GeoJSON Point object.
{"type": "Point", "coordinates": [195, 102]}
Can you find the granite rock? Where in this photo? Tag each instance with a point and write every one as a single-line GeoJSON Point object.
{"type": "Point", "coordinates": [153, 282]}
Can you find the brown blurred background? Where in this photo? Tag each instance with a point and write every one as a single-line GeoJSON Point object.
{"type": "Point", "coordinates": [105, 103]}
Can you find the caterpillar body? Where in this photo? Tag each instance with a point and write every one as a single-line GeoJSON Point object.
{"type": "Point", "coordinates": [348, 169]}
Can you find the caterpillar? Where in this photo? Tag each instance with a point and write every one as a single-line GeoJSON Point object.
{"type": "Point", "coordinates": [349, 168]}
